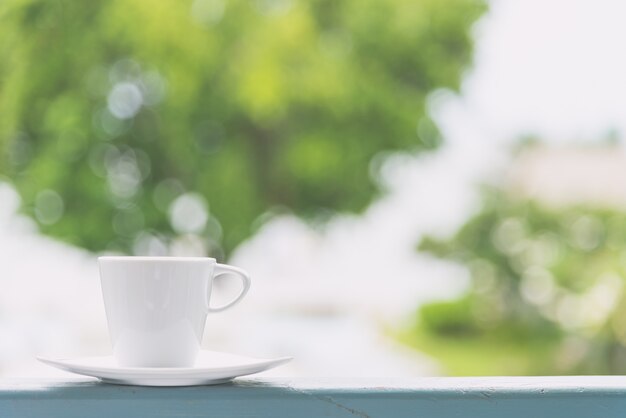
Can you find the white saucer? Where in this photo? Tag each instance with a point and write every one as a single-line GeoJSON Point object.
{"type": "Point", "coordinates": [211, 368]}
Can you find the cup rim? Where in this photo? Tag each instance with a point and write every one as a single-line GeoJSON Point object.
{"type": "Point", "coordinates": [161, 259]}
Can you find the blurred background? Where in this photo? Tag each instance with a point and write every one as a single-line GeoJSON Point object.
{"type": "Point", "coordinates": [418, 187]}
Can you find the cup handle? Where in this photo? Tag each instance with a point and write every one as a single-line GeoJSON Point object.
{"type": "Point", "coordinates": [221, 269]}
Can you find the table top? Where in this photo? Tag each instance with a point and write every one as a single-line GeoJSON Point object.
{"type": "Point", "coordinates": [572, 396]}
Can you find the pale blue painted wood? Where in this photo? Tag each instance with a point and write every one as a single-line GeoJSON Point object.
{"type": "Point", "coordinates": [425, 397]}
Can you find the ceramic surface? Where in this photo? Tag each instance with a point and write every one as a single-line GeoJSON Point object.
{"type": "Point", "coordinates": [156, 307]}
{"type": "Point", "coordinates": [211, 368]}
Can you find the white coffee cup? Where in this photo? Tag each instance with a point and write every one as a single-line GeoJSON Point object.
{"type": "Point", "coordinates": [156, 307]}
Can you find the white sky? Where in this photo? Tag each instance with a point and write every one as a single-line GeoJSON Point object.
{"type": "Point", "coordinates": [552, 67]}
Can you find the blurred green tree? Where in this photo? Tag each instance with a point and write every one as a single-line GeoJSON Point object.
{"type": "Point", "coordinates": [545, 297]}
{"type": "Point", "coordinates": [175, 117]}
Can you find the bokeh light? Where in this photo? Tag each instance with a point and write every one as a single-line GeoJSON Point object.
{"type": "Point", "coordinates": [49, 207]}
{"type": "Point", "coordinates": [188, 213]}
{"type": "Point", "coordinates": [124, 100]}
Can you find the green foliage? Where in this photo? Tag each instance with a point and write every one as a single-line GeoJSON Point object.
{"type": "Point", "coordinates": [449, 318]}
{"type": "Point", "coordinates": [547, 282]}
{"type": "Point", "coordinates": [114, 108]}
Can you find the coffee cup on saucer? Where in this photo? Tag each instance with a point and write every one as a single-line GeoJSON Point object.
{"type": "Point", "coordinates": [156, 307]}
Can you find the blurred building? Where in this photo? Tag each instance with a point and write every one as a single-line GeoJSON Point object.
{"type": "Point", "coordinates": [571, 175]}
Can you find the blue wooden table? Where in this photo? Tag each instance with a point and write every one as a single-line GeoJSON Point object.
{"type": "Point", "coordinates": [508, 397]}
